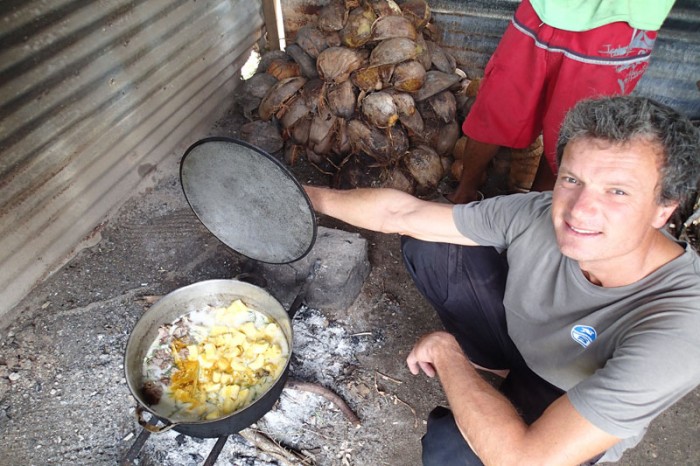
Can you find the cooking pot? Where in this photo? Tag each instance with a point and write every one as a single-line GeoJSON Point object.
{"type": "Point", "coordinates": [254, 205]}
{"type": "Point", "coordinates": [198, 296]}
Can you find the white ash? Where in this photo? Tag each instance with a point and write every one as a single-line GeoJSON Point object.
{"type": "Point", "coordinates": [322, 350]}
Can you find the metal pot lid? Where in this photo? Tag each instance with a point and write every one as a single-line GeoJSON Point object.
{"type": "Point", "coordinates": [248, 199]}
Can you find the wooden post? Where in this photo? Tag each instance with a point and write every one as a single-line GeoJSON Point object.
{"type": "Point", "coordinates": [271, 19]}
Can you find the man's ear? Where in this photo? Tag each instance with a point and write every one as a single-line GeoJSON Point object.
{"type": "Point", "coordinates": [663, 214]}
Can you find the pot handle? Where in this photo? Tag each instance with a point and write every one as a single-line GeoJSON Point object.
{"type": "Point", "coordinates": [149, 425]}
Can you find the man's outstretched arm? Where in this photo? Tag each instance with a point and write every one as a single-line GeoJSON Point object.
{"type": "Point", "coordinates": [490, 423]}
{"type": "Point", "coordinates": [389, 211]}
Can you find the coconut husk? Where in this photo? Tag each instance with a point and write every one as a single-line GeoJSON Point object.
{"type": "Point", "coordinates": [456, 169]}
{"type": "Point", "coordinates": [389, 27]}
{"type": "Point", "coordinates": [315, 158]}
{"type": "Point", "coordinates": [299, 132]}
{"type": "Point", "coordinates": [357, 171]}
{"type": "Point", "coordinates": [459, 148]}
{"type": "Point", "coordinates": [408, 76]}
{"type": "Point", "coordinates": [435, 82]}
{"type": "Point", "coordinates": [385, 8]}
{"type": "Point", "coordinates": [380, 110]}
{"type": "Point", "coordinates": [446, 164]}
{"type": "Point", "coordinates": [394, 51]}
{"type": "Point", "coordinates": [423, 57]}
{"type": "Point", "coordinates": [262, 134]}
{"type": "Point", "coordinates": [306, 64]}
{"type": "Point", "coordinates": [384, 146]}
{"type": "Point", "coordinates": [267, 57]}
{"type": "Point", "coordinates": [258, 84]}
{"type": "Point", "coordinates": [321, 131]}
{"type": "Point", "coordinates": [417, 11]}
{"type": "Point", "coordinates": [404, 102]}
{"type": "Point", "coordinates": [372, 78]}
{"type": "Point", "coordinates": [283, 68]}
{"type": "Point", "coordinates": [312, 40]}
{"type": "Point", "coordinates": [341, 99]}
{"type": "Point", "coordinates": [358, 27]}
{"type": "Point", "coordinates": [278, 95]}
{"type": "Point", "coordinates": [409, 116]}
{"type": "Point", "coordinates": [473, 87]}
{"type": "Point", "coordinates": [425, 166]}
{"type": "Point", "coordinates": [341, 144]}
{"type": "Point", "coordinates": [292, 111]}
{"type": "Point", "coordinates": [332, 17]}
{"type": "Point", "coordinates": [444, 105]}
{"type": "Point", "coordinates": [440, 59]}
{"type": "Point", "coordinates": [336, 63]}
{"type": "Point", "coordinates": [413, 122]}
{"type": "Point", "coordinates": [445, 138]}
{"type": "Point", "coordinates": [395, 178]}
{"type": "Point", "coordinates": [253, 90]}
{"type": "Point", "coordinates": [293, 153]}
{"type": "Point", "coordinates": [314, 93]}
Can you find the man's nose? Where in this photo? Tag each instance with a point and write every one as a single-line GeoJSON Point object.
{"type": "Point", "coordinates": [585, 203]}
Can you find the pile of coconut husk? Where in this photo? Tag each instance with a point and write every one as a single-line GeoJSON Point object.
{"type": "Point", "coordinates": [365, 94]}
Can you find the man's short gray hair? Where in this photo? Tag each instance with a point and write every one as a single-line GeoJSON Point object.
{"type": "Point", "coordinates": [622, 119]}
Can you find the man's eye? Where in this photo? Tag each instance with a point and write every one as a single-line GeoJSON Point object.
{"type": "Point", "coordinates": [619, 192]}
{"type": "Point", "coordinates": [569, 179]}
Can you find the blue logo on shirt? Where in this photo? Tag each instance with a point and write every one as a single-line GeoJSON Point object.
{"type": "Point", "coordinates": [584, 335]}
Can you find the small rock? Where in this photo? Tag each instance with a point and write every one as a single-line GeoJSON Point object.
{"type": "Point", "coordinates": [14, 377]}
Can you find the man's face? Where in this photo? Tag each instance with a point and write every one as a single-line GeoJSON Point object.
{"type": "Point", "coordinates": [604, 205]}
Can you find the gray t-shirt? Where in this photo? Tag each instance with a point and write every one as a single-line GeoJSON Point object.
{"type": "Point", "coordinates": [623, 354]}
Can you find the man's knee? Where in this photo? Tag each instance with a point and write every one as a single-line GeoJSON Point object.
{"type": "Point", "coordinates": [443, 444]}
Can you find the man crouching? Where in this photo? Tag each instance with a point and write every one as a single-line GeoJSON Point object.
{"type": "Point", "coordinates": [578, 298]}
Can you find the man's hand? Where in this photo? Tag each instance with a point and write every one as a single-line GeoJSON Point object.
{"type": "Point", "coordinates": [423, 353]}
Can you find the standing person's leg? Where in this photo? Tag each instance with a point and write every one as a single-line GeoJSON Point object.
{"type": "Point", "coordinates": [507, 110]}
{"type": "Point", "coordinates": [475, 162]}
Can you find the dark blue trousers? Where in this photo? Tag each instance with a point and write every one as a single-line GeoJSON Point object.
{"type": "Point", "coordinates": [466, 286]}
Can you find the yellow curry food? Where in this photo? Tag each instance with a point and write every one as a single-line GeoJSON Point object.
{"type": "Point", "coordinates": [211, 363]}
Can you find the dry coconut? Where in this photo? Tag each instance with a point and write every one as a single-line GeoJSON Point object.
{"type": "Point", "coordinates": [425, 166]}
{"type": "Point", "coordinates": [341, 99]}
{"type": "Point", "coordinates": [389, 27]}
{"type": "Point", "coordinates": [314, 41]}
{"type": "Point", "coordinates": [262, 134]}
{"type": "Point", "coordinates": [307, 65]}
{"type": "Point", "coordinates": [358, 27]}
{"type": "Point", "coordinates": [408, 76]}
{"type": "Point", "coordinates": [372, 78]}
{"type": "Point", "coordinates": [336, 63]}
{"type": "Point", "coordinates": [332, 17]}
{"type": "Point", "coordinates": [278, 95]}
{"type": "Point", "coordinates": [384, 146]}
{"type": "Point", "coordinates": [379, 109]}
{"type": "Point", "coordinates": [394, 51]}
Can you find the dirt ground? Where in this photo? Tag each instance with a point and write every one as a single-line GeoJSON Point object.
{"type": "Point", "coordinates": [63, 393]}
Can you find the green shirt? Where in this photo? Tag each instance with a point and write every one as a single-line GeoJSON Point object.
{"type": "Point", "coordinates": [583, 15]}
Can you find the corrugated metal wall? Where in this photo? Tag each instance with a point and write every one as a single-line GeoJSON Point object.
{"type": "Point", "coordinates": [94, 94]}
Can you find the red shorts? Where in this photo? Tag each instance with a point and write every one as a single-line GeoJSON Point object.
{"type": "Point", "coordinates": [538, 72]}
